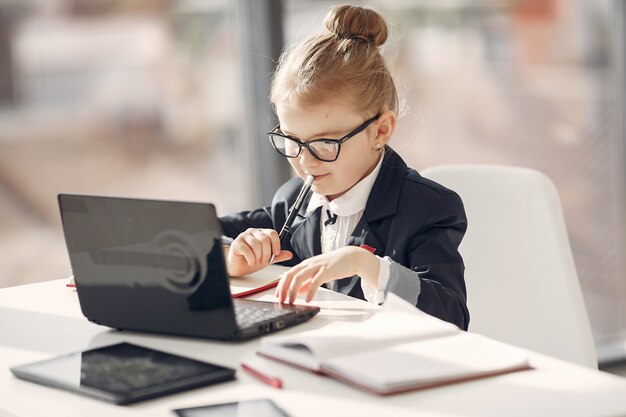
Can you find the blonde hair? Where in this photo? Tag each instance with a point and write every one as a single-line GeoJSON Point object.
{"type": "Point", "coordinates": [345, 62]}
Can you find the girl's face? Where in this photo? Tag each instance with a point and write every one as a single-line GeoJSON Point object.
{"type": "Point", "coordinates": [358, 155]}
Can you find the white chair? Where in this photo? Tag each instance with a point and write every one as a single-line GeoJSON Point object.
{"type": "Point", "coordinates": [522, 285]}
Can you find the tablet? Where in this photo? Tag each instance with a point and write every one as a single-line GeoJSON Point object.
{"type": "Point", "coordinates": [249, 408]}
{"type": "Point", "coordinates": [123, 373]}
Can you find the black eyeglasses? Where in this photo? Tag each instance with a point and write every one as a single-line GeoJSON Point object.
{"type": "Point", "coordinates": [326, 150]}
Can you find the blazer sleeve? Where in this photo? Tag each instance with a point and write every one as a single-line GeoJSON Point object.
{"type": "Point", "coordinates": [234, 224]}
{"type": "Point", "coordinates": [433, 280]}
{"type": "Point", "coordinates": [270, 217]}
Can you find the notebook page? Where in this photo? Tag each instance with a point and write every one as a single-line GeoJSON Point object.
{"type": "Point", "coordinates": [428, 362]}
{"type": "Point", "coordinates": [267, 275]}
{"type": "Point", "coordinates": [393, 324]}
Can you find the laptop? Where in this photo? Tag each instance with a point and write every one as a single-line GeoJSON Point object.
{"type": "Point", "coordinates": [158, 266]}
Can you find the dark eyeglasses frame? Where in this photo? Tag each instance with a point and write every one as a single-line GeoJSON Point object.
{"type": "Point", "coordinates": [307, 145]}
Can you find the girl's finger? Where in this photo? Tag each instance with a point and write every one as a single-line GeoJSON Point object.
{"type": "Point", "coordinates": [240, 248]}
{"type": "Point", "coordinates": [285, 282]}
{"type": "Point", "coordinates": [284, 255]}
{"type": "Point", "coordinates": [274, 240]}
{"type": "Point", "coordinates": [266, 245]}
{"type": "Point", "coordinates": [255, 245]}
{"type": "Point", "coordinates": [315, 282]}
{"type": "Point", "coordinates": [282, 289]}
{"type": "Point", "coordinates": [296, 282]}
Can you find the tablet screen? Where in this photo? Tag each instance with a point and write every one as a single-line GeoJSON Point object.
{"type": "Point", "coordinates": [123, 373]}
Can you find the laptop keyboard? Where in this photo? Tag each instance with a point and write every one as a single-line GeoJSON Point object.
{"type": "Point", "coordinates": [250, 316]}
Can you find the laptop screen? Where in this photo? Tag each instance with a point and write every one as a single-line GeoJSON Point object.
{"type": "Point", "coordinates": [145, 263]}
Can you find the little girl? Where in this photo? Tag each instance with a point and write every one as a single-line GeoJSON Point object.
{"type": "Point", "coordinates": [371, 224]}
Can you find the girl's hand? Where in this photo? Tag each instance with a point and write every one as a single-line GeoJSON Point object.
{"type": "Point", "coordinates": [251, 251]}
{"type": "Point", "coordinates": [308, 275]}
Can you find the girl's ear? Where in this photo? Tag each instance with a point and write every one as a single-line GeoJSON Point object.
{"type": "Point", "coordinates": [386, 124]}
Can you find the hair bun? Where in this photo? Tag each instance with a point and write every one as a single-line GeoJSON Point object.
{"type": "Point", "coordinates": [356, 23]}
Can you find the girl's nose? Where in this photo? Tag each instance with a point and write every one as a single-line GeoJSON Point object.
{"type": "Point", "coordinates": [307, 160]}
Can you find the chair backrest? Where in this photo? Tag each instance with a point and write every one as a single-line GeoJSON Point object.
{"type": "Point", "coordinates": [520, 274]}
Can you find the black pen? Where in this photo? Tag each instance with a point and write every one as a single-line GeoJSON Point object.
{"type": "Point", "coordinates": [304, 191]}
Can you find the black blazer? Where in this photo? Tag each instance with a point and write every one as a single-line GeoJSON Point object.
{"type": "Point", "coordinates": [416, 222]}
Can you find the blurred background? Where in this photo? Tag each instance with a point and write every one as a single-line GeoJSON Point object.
{"type": "Point", "coordinates": [168, 99]}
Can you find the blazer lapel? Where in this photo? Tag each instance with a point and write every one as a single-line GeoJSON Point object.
{"type": "Point", "coordinates": [305, 236]}
{"type": "Point", "coordinates": [382, 203]}
{"type": "Point", "coordinates": [361, 235]}
{"type": "Point", "coordinates": [383, 199]}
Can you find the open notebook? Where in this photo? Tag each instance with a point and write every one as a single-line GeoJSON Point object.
{"type": "Point", "coordinates": [399, 349]}
{"type": "Point", "coordinates": [262, 280]}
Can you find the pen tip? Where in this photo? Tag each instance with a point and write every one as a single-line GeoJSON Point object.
{"type": "Point", "coordinates": [309, 180]}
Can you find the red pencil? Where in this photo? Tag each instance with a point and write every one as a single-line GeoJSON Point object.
{"type": "Point", "coordinates": [269, 380]}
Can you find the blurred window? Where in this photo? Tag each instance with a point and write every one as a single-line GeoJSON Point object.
{"type": "Point", "coordinates": [127, 98]}
{"type": "Point", "coordinates": [526, 83]}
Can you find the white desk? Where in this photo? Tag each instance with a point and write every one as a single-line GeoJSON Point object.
{"type": "Point", "coordinates": [42, 320]}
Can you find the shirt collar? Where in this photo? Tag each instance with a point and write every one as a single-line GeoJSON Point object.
{"type": "Point", "coordinates": [353, 201]}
